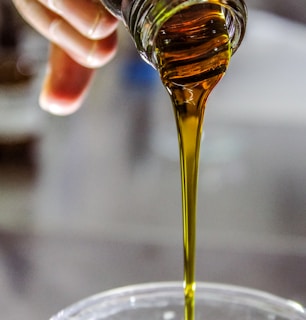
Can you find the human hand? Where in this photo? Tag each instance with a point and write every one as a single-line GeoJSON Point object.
{"type": "Point", "coordinates": [83, 36]}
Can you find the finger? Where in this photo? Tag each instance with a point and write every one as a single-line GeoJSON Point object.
{"type": "Point", "coordinates": [66, 84]}
{"type": "Point", "coordinates": [90, 53]}
{"type": "Point", "coordinates": [89, 17]}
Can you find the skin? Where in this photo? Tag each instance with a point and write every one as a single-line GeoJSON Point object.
{"type": "Point", "coordinates": [83, 38]}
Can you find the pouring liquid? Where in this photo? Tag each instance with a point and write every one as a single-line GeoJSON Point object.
{"type": "Point", "coordinates": [193, 51]}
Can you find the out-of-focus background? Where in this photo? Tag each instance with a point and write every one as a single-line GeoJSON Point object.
{"type": "Point", "coordinates": [91, 201]}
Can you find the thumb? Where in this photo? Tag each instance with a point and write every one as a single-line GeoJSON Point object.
{"type": "Point", "coordinates": [66, 83]}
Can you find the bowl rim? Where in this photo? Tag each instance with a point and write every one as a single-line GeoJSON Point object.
{"type": "Point", "coordinates": [214, 291]}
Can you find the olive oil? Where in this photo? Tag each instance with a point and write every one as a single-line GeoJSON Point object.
{"type": "Point", "coordinates": [193, 51]}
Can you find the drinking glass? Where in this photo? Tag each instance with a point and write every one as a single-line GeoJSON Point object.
{"type": "Point", "coordinates": [165, 301]}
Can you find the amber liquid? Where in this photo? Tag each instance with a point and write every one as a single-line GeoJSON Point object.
{"type": "Point", "coordinates": [193, 52]}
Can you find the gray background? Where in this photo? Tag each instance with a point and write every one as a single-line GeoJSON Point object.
{"type": "Point", "coordinates": [92, 201]}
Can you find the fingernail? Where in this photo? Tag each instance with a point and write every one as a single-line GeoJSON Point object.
{"type": "Point", "coordinates": [96, 22]}
{"type": "Point", "coordinates": [55, 104]}
{"type": "Point", "coordinates": [59, 108]}
{"type": "Point", "coordinates": [91, 58]}
{"type": "Point", "coordinates": [55, 5]}
{"type": "Point", "coordinates": [103, 25]}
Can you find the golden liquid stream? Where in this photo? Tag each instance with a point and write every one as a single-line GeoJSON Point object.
{"type": "Point", "coordinates": [193, 52]}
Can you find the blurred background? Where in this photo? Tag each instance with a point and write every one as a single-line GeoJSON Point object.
{"type": "Point", "coordinates": [92, 201]}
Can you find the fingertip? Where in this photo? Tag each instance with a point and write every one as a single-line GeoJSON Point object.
{"type": "Point", "coordinates": [99, 53]}
{"type": "Point", "coordinates": [65, 85]}
{"type": "Point", "coordinates": [103, 28]}
{"type": "Point", "coordinates": [60, 107]}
